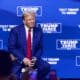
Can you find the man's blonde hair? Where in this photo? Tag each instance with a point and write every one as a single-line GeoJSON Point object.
{"type": "Point", "coordinates": [28, 13]}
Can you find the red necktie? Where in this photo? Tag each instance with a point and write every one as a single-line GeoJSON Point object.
{"type": "Point", "coordinates": [29, 44]}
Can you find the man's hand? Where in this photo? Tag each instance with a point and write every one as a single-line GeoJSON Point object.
{"type": "Point", "coordinates": [26, 62]}
{"type": "Point", "coordinates": [29, 63]}
{"type": "Point", "coordinates": [33, 61]}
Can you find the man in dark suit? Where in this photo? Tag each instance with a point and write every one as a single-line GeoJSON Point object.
{"type": "Point", "coordinates": [25, 43]}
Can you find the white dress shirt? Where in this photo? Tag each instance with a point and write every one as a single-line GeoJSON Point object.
{"type": "Point", "coordinates": [26, 29]}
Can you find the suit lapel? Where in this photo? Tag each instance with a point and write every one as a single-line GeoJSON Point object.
{"type": "Point", "coordinates": [34, 37]}
{"type": "Point", "coordinates": [23, 37]}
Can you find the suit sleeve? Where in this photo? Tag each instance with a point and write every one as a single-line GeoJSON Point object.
{"type": "Point", "coordinates": [13, 47]}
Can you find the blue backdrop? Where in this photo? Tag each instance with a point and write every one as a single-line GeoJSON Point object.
{"type": "Point", "coordinates": [60, 21]}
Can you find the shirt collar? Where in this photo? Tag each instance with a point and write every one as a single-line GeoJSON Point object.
{"type": "Point", "coordinates": [27, 28]}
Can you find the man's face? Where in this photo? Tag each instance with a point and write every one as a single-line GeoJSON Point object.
{"type": "Point", "coordinates": [29, 20]}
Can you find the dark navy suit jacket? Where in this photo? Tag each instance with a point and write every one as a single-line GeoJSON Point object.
{"type": "Point", "coordinates": [17, 42]}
